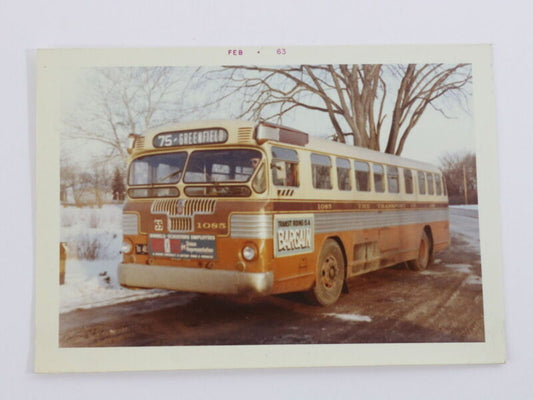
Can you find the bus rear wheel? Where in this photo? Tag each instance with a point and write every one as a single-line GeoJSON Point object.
{"type": "Point", "coordinates": [424, 254]}
{"type": "Point", "coordinates": [330, 275]}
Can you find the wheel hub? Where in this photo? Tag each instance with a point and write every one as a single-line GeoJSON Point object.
{"type": "Point", "coordinates": [329, 271]}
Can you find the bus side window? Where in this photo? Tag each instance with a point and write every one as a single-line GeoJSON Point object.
{"type": "Point", "coordinates": [393, 179]}
{"type": "Point", "coordinates": [321, 171]}
{"type": "Point", "coordinates": [408, 178]}
{"type": "Point", "coordinates": [343, 174]}
{"type": "Point", "coordinates": [438, 182]}
{"type": "Point", "coordinates": [379, 182]}
{"type": "Point", "coordinates": [444, 186]}
{"type": "Point", "coordinates": [431, 189]}
{"type": "Point", "coordinates": [362, 176]}
{"type": "Point", "coordinates": [284, 167]}
{"type": "Point", "coordinates": [421, 182]}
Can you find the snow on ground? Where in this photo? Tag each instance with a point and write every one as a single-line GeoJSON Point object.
{"type": "Point", "coordinates": [466, 229]}
{"type": "Point", "coordinates": [464, 268]}
{"type": "Point", "coordinates": [93, 238]}
{"type": "Point", "coordinates": [474, 280]}
{"type": "Point", "coordinates": [94, 283]}
{"type": "Point", "coordinates": [430, 272]}
{"type": "Point", "coordinates": [350, 317]}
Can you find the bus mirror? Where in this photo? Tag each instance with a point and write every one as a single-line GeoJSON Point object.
{"type": "Point", "coordinates": [131, 142]}
{"type": "Point", "coordinates": [279, 172]}
{"type": "Point", "coordinates": [274, 164]}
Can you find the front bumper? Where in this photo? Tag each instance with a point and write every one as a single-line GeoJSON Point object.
{"type": "Point", "coordinates": [195, 279]}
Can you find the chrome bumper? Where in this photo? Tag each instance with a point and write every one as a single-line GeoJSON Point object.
{"type": "Point", "coordinates": [195, 279]}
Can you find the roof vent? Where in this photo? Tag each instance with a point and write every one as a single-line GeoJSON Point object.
{"type": "Point", "coordinates": [244, 135]}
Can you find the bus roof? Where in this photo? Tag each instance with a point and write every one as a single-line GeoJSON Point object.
{"type": "Point", "coordinates": [341, 149]}
{"type": "Point", "coordinates": [243, 132]}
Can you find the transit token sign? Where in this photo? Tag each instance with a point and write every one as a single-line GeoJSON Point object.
{"type": "Point", "coordinates": [293, 234]}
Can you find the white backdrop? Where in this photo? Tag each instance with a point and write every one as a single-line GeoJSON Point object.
{"type": "Point", "coordinates": [26, 25]}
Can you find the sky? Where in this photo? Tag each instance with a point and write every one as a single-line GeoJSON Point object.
{"type": "Point", "coordinates": [432, 137]}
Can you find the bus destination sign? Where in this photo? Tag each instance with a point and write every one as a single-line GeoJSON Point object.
{"type": "Point", "coordinates": [193, 137]}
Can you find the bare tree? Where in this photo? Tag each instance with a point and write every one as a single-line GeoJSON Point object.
{"type": "Point", "coordinates": [70, 185]}
{"type": "Point", "coordinates": [85, 186]}
{"type": "Point", "coordinates": [119, 101]}
{"type": "Point", "coordinates": [75, 185]}
{"type": "Point", "coordinates": [354, 97]}
{"type": "Point", "coordinates": [460, 173]}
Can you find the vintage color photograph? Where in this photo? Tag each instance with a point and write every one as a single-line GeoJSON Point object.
{"type": "Point", "coordinates": [268, 204]}
{"type": "Point", "coordinates": [331, 203]}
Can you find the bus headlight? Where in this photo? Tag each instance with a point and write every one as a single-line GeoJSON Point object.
{"type": "Point", "coordinates": [126, 247]}
{"type": "Point", "coordinates": [249, 252]}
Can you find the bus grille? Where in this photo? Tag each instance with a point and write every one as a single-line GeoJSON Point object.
{"type": "Point", "coordinates": [244, 135]}
{"type": "Point", "coordinates": [181, 224]}
{"type": "Point", "coordinates": [175, 207]}
{"type": "Point", "coordinates": [130, 223]}
{"type": "Point", "coordinates": [165, 206]}
{"type": "Point", "coordinates": [180, 212]}
{"type": "Point", "coordinates": [200, 206]}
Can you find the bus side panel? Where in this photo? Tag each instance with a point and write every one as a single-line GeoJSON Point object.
{"type": "Point", "coordinates": [292, 273]}
{"type": "Point", "coordinates": [365, 250]}
{"type": "Point", "coordinates": [372, 249]}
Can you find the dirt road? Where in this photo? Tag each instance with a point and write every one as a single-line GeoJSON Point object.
{"type": "Point", "coordinates": [395, 305]}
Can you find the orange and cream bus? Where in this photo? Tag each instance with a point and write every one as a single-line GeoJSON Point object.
{"type": "Point", "coordinates": [236, 207]}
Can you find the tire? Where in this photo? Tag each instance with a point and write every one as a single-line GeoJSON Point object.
{"type": "Point", "coordinates": [329, 275]}
{"type": "Point", "coordinates": [424, 254]}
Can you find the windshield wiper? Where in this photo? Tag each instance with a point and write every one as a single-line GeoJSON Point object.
{"type": "Point", "coordinates": [171, 175]}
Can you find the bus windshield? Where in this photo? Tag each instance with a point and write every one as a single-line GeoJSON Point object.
{"type": "Point", "coordinates": [236, 165]}
{"type": "Point", "coordinates": [157, 169]}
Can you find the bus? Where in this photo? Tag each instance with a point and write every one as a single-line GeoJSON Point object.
{"type": "Point", "coordinates": [254, 208]}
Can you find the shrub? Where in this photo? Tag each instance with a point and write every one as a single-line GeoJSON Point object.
{"type": "Point", "coordinates": [88, 248]}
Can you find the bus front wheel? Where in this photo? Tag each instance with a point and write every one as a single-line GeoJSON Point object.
{"type": "Point", "coordinates": [424, 254]}
{"type": "Point", "coordinates": [330, 275]}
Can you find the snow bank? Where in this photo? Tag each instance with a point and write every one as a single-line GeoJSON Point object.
{"type": "Point", "coordinates": [93, 238]}
{"type": "Point", "coordinates": [92, 233]}
{"type": "Point", "coordinates": [96, 292]}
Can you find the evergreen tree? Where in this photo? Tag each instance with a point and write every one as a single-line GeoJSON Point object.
{"type": "Point", "coordinates": [118, 187]}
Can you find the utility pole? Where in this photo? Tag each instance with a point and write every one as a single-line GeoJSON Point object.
{"type": "Point", "coordinates": [464, 183]}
